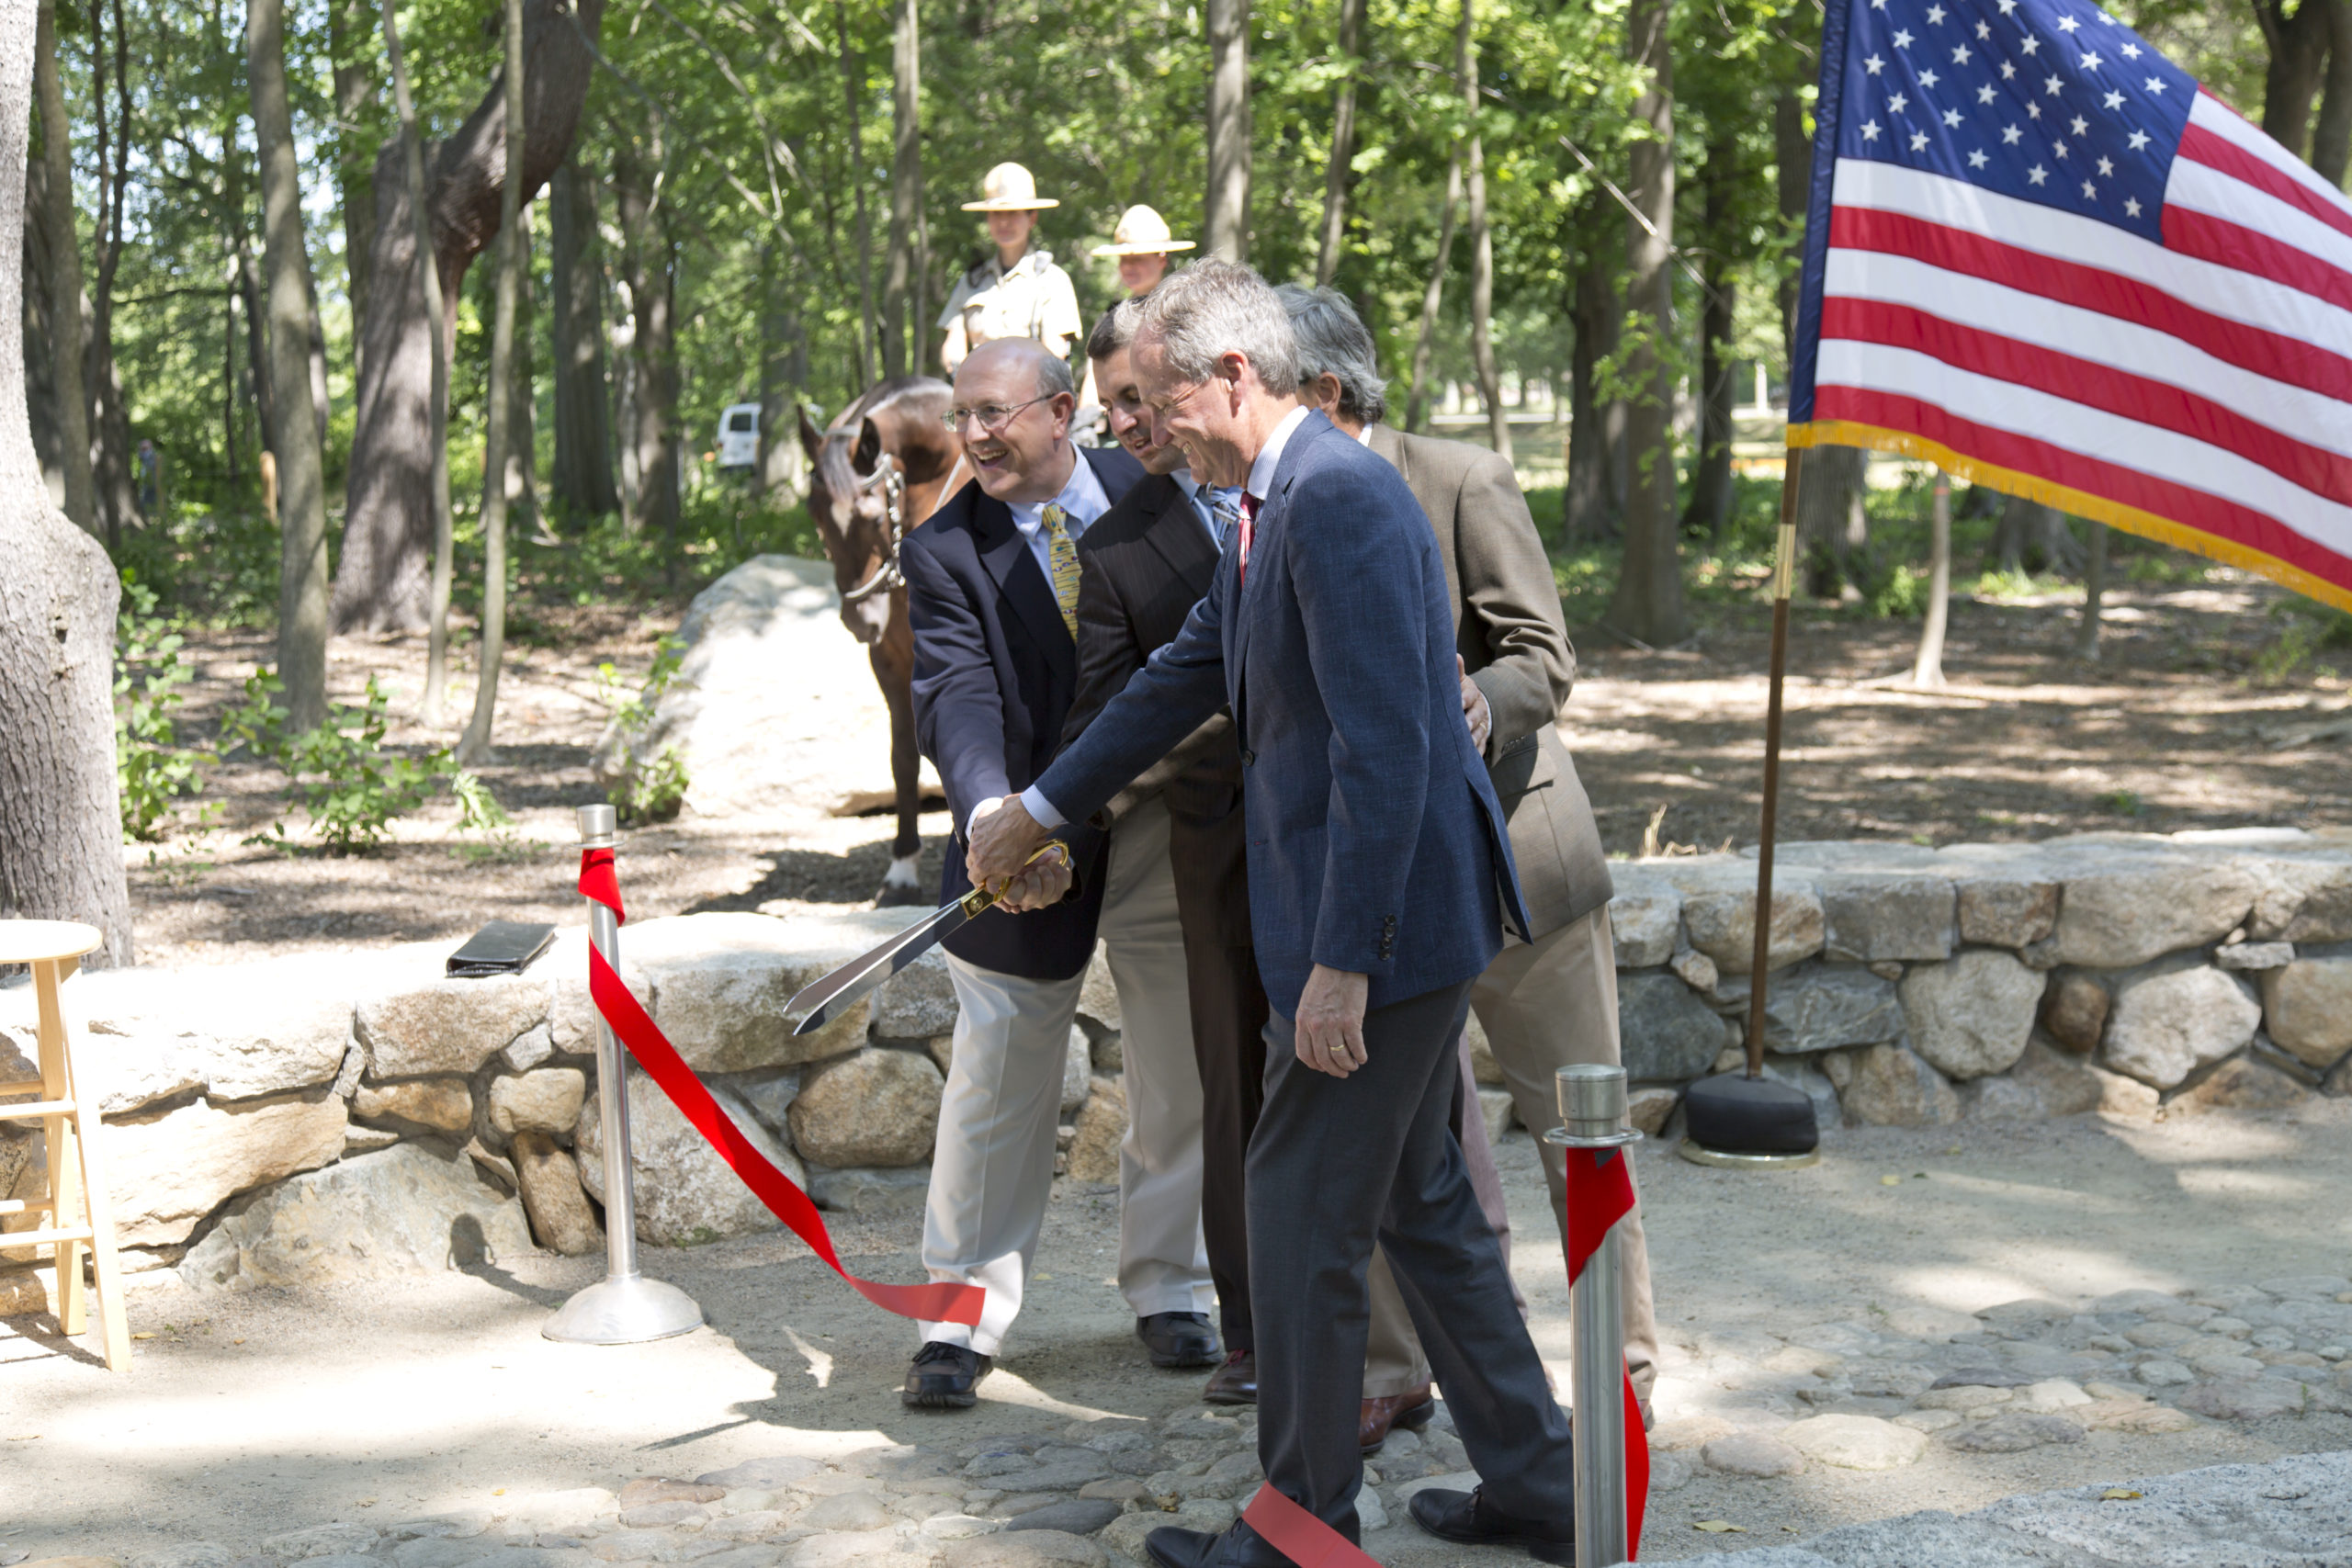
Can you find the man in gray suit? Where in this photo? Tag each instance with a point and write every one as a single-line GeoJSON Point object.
{"type": "Point", "coordinates": [1552, 1001]}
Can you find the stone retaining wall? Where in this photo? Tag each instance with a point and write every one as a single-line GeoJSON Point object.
{"type": "Point", "coordinates": [327, 1117]}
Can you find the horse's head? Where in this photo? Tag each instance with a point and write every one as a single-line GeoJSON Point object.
{"type": "Point", "coordinates": [849, 495]}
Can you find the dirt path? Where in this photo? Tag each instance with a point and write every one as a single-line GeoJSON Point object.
{"type": "Point", "coordinates": [247, 1415]}
{"type": "Point", "coordinates": [2026, 743]}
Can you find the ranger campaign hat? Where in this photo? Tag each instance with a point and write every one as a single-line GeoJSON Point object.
{"type": "Point", "coordinates": [1141, 233]}
{"type": "Point", "coordinates": [1008, 187]}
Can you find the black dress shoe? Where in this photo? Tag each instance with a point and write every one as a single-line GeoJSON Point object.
{"type": "Point", "coordinates": [1238, 1547]}
{"type": "Point", "coordinates": [1468, 1520]}
{"type": "Point", "coordinates": [944, 1376]}
{"type": "Point", "coordinates": [1236, 1383]}
{"type": "Point", "coordinates": [1179, 1339]}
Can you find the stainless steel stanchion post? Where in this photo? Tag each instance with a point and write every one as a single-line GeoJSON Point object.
{"type": "Point", "coordinates": [624, 1307]}
{"type": "Point", "coordinates": [1592, 1116]}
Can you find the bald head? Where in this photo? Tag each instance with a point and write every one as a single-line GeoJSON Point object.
{"type": "Point", "coordinates": [1024, 358]}
{"type": "Point", "coordinates": [1012, 408]}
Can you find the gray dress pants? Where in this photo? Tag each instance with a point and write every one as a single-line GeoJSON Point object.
{"type": "Point", "coordinates": [1334, 1165]}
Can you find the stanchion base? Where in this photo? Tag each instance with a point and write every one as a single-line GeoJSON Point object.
{"type": "Point", "coordinates": [627, 1311]}
{"type": "Point", "coordinates": [1698, 1154]}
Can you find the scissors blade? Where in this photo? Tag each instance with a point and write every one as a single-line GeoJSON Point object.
{"type": "Point", "coordinates": [834, 995]}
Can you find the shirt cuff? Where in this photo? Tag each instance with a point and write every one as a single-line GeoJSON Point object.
{"type": "Point", "coordinates": [1040, 809]}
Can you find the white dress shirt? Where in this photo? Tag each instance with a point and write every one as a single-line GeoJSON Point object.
{"type": "Point", "coordinates": [1083, 500]}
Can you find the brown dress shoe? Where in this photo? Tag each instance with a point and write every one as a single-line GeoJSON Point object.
{"type": "Point", "coordinates": [1376, 1418]}
{"type": "Point", "coordinates": [1236, 1383]}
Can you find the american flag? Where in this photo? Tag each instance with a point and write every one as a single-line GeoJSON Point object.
{"type": "Point", "coordinates": [2039, 254]}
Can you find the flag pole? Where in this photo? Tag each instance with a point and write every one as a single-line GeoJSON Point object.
{"type": "Point", "coordinates": [1783, 575]}
{"type": "Point", "coordinates": [1746, 1121]}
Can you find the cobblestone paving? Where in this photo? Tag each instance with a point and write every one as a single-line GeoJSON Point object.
{"type": "Point", "coordinates": [1871, 1395]}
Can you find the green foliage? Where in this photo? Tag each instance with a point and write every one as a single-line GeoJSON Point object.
{"type": "Point", "coordinates": [351, 786]}
{"type": "Point", "coordinates": [2123, 802]}
{"type": "Point", "coordinates": [152, 767]}
{"type": "Point", "coordinates": [2310, 629]}
{"type": "Point", "coordinates": [1899, 594]}
{"type": "Point", "coordinates": [207, 565]}
{"type": "Point", "coordinates": [479, 812]}
{"type": "Point", "coordinates": [653, 790]}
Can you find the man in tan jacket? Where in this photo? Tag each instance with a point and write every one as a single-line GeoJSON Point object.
{"type": "Point", "coordinates": [1545, 1004]}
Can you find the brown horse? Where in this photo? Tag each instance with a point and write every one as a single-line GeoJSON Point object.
{"type": "Point", "coordinates": [881, 468]}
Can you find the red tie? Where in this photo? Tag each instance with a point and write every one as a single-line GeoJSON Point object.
{"type": "Point", "coordinates": [1249, 527]}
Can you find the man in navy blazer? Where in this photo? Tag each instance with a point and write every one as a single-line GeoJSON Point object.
{"type": "Point", "coordinates": [992, 583]}
{"type": "Point", "coordinates": [1380, 877]}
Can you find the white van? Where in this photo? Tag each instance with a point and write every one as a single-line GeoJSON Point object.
{"type": "Point", "coordinates": [739, 435]}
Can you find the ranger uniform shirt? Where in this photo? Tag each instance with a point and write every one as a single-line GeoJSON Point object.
{"type": "Point", "coordinates": [1033, 299]}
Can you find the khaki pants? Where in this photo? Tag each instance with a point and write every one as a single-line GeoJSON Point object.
{"type": "Point", "coordinates": [992, 1168]}
{"type": "Point", "coordinates": [1544, 1007]}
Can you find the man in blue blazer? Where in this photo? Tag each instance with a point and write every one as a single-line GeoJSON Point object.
{"type": "Point", "coordinates": [992, 583]}
{"type": "Point", "coordinates": [1380, 877]}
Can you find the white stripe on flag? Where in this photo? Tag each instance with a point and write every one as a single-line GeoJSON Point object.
{"type": "Point", "coordinates": [2038, 416]}
{"type": "Point", "coordinates": [2126, 345]}
{"type": "Point", "coordinates": [2211, 114]}
{"type": "Point", "coordinates": [2200, 187]}
{"type": "Point", "coordinates": [2221, 290]}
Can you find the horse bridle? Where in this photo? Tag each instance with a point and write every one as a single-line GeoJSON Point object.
{"type": "Point", "coordinates": [888, 577]}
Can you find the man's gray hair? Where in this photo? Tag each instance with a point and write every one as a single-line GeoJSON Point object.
{"type": "Point", "coordinates": [1053, 375]}
{"type": "Point", "coordinates": [1215, 308]}
{"type": "Point", "coordinates": [1333, 341]}
{"type": "Point", "coordinates": [1116, 330]}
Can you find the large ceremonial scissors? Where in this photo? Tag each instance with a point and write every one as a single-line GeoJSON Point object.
{"type": "Point", "coordinates": [830, 997]}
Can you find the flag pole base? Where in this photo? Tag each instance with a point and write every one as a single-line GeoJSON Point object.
{"type": "Point", "coordinates": [624, 1309]}
{"type": "Point", "coordinates": [1724, 1160]}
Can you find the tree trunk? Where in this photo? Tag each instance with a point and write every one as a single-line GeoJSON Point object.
{"type": "Point", "coordinates": [1590, 506]}
{"type": "Point", "coordinates": [783, 380]}
{"type": "Point", "coordinates": [2031, 537]}
{"type": "Point", "coordinates": [902, 302]}
{"type": "Point", "coordinates": [522, 438]}
{"type": "Point", "coordinates": [1648, 601]}
{"type": "Point", "coordinates": [474, 747]}
{"type": "Point", "coordinates": [1336, 173]}
{"type": "Point", "coordinates": [2332, 139]}
{"type": "Point", "coordinates": [40, 339]}
{"type": "Point", "coordinates": [63, 275]}
{"type": "Point", "coordinates": [853, 89]}
{"type": "Point", "coordinates": [2290, 77]}
{"type": "Point", "coordinates": [1831, 523]}
{"type": "Point", "coordinates": [1792, 168]}
{"type": "Point", "coordinates": [2094, 589]}
{"type": "Point", "coordinates": [1927, 669]}
{"type": "Point", "coordinates": [351, 29]}
{"type": "Point", "coordinates": [382, 583]}
{"type": "Point", "coordinates": [1710, 508]}
{"type": "Point", "coordinates": [113, 485]}
{"type": "Point", "coordinates": [412, 197]}
{"type": "Point", "coordinates": [1417, 406]}
{"type": "Point", "coordinates": [295, 440]}
{"type": "Point", "coordinates": [60, 822]}
{"type": "Point", "coordinates": [581, 485]}
{"type": "Point", "coordinates": [1482, 243]}
{"type": "Point", "coordinates": [646, 248]}
{"type": "Point", "coordinates": [1711, 488]}
{"type": "Point", "coordinates": [1227, 234]}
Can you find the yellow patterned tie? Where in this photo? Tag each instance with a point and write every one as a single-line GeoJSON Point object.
{"type": "Point", "coordinates": [1062, 551]}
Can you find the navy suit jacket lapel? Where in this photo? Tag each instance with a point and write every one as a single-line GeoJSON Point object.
{"type": "Point", "coordinates": [1006, 556]}
{"type": "Point", "coordinates": [1266, 532]}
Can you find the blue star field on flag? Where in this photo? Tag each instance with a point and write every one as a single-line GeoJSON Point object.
{"type": "Point", "coordinates": [2050, 101]}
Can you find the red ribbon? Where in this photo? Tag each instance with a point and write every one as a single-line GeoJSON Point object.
{"type": "Point", "coordinates": [941, 1302]}
{"type": "Point", "coordinates": [1600, 1192]}
{"type": "Point", "coordinates": [1299, 1535]}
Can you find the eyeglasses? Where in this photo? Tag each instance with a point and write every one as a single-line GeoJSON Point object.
{"type": "Point", "coordinates": [993, 417]}
{"type": "Point", "coordinates": [1165, 406]}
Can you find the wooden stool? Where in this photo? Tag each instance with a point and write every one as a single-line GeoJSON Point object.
{"type": "Point", "coordinates": [77, 1204]}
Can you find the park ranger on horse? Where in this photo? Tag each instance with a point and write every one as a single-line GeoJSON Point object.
{"type": "Point", "coordinates": [1020, 292]}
